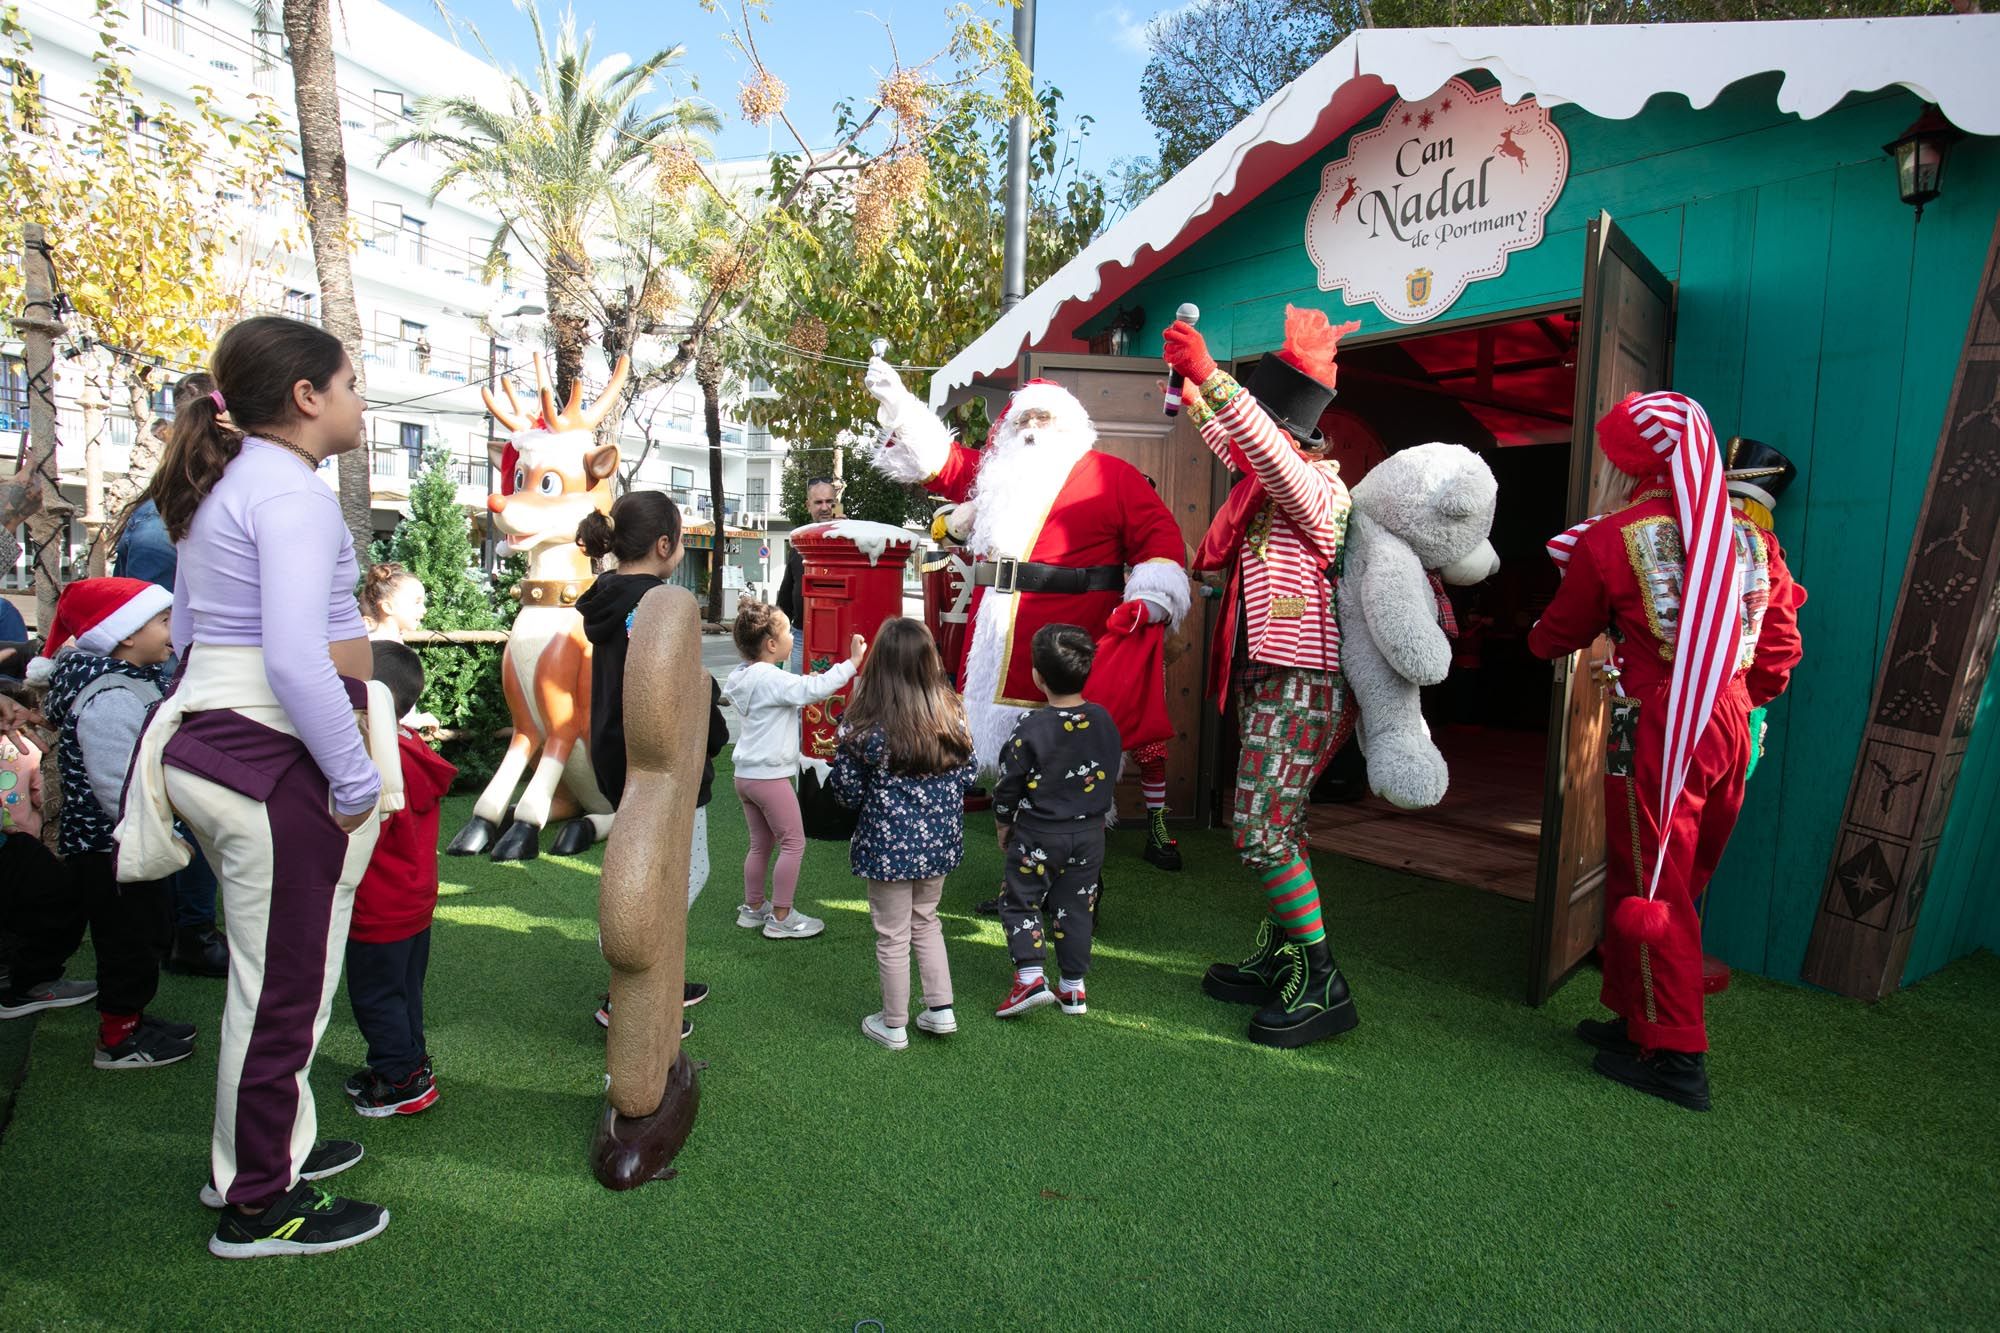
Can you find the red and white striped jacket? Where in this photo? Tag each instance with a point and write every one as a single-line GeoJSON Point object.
{"type": "Point", "coordinates": [1282, 568]}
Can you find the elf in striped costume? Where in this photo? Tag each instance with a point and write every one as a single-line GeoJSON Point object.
{"type": "Point", "coordinates": [1704, 615]}
{"type": "Point", "coordinates": [1279, 534]}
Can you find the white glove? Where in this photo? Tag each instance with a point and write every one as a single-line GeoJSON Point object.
{"type": "Point", "coordinates": [958, 521]}
{"type": "Point", "coordinates": [887, 388]}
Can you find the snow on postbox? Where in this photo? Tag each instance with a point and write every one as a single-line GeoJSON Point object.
{"type": "Point", "coordinates": [853, 581]}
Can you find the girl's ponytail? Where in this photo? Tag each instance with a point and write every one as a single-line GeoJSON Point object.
{"type": "Point", "coordinates": [199, 449]}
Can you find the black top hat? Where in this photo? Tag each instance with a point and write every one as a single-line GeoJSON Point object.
{"type": "Point", "coordinates": [1293, 398]}
{"type": "Point", "coordinates": [1754, 466]}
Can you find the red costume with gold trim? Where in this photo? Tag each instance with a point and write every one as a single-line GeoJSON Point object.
{"type": "Point", "coordinates": [1042, 495]}
{"type": "Point", "coordinates": [1625, 575]}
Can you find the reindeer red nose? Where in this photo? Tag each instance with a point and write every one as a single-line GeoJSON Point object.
{"type": "Point", "coordinates": [496, 503]}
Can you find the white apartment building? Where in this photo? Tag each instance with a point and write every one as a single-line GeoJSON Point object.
{"type": "Point", "coordinates": [434, 332]}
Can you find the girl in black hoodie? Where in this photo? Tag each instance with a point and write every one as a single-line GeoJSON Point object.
{"type": "Point", "coordinates": [643, 531]}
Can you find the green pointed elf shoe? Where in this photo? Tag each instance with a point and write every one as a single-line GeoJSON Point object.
{"type": "Point", "coordinates": [1315, 1003]}
{"type": "Point", "coordinates": [1257, 979]}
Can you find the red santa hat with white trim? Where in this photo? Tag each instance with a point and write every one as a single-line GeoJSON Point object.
{"type": "Point", "coordinates": [98, 615]}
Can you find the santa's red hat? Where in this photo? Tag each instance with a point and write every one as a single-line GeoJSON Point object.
{"type": "Point", "coordinates": [1046, 395]}
{"type": "Point", "coordinates": [98, 615]}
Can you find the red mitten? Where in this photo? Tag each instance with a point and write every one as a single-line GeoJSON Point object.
{"type": "Point", "coordinates": [1187, 352]}
{"type": "Point", "coordinates": [1128, 618]}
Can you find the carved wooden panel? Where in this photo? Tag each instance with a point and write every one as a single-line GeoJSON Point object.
{"type": "Point", "coordinates": [1940, 648]}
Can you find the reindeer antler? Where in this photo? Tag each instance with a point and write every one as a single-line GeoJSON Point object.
{"type": "Point", "coordinates": [514, 419]}
{"type": "Point", "coordinates": [574, 415]}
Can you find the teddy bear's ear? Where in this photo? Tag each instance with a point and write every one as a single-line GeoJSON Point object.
{"type": "Point", "coordinates": [1467, 495]}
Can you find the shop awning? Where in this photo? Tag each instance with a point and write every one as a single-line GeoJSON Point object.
{"type": "Point", "coordinates": [1610, 70]}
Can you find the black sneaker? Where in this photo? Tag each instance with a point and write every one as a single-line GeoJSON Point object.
{"type": "Point", "coordinates": [145, 1048]}
{"type": "Point", "coordinates": [1607, 1034]}
{"type": "Point", "coordinates": [693, 994]}
{"type": "Point", "coordinates": [991, 907]}
{"type": "Point", "coordinates": [603, 1014]}
{"type": "Point", "coordinates": [326, 1159]}
{"type": "Point", "coordinates": [381, 1098]}
{"type": "Point", "coordinates": [687, 1028]}
{"type": "Point", "coordinates": [306, 1221]}
{"type": "Point", "coordinates": [357, 1082]}
{"type": "Point", "coordinates": [178, 1031]}
{"type": "Point", "coordinates": [1673, 1076]}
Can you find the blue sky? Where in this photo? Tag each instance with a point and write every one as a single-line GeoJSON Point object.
{"type": "Point", "coordinates": [827, 49]}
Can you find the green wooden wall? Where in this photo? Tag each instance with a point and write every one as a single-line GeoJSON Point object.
{"type": "Point", "coordinates": [1813, 313]}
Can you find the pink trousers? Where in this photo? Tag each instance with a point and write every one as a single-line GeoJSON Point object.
{"type": "Point", "coordinates": [771, 808]}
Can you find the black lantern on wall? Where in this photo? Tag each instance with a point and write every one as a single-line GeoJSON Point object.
{"type": "Point", "coordinates": [1920, 153]}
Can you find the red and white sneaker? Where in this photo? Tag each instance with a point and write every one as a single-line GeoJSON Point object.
{"type": "Point", "coordinates": [1070, 1000]}
{"type": "Point", "coordinates": [1025, 996]}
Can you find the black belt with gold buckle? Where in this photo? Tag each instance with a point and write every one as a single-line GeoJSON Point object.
{"type": "Point", "coordinates": [1008, 575]}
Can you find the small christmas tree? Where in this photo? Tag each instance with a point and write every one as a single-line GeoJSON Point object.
{"type": "Point", "coordinates": [461, 682]}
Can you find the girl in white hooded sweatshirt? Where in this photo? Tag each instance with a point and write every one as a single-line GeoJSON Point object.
{"type": "Point", "coordinates": [767, 699]}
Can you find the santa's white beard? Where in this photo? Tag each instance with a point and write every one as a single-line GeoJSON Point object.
{"type": "Point", "coordinates": [1020, 475]}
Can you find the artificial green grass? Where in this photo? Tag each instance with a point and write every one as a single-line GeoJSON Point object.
{"type": "Point", "coordinates": [1453, 1161]}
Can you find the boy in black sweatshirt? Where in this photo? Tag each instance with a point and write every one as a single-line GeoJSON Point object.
{"type": "Point", "coordinates": [1057, 775]}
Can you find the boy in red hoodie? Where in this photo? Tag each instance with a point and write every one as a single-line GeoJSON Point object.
{"type": "Point", "coordinates": [389, 941]}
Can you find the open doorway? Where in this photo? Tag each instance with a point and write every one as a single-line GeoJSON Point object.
{"type": "Point", "coordinates": [1506, 390]}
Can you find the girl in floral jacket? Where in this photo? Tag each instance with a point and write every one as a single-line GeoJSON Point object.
{"type": "Point", "coordinates": [905, 762]}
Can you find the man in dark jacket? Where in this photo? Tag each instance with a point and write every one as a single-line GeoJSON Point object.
{"type": "Point", "coordinates": [822, 506]}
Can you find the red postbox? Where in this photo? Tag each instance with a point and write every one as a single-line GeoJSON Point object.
{"type": "Point", "coordinates": [853, 581]}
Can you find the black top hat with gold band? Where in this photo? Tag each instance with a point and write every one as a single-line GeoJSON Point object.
{"type": "Point", "coordinates": [1756, 471]}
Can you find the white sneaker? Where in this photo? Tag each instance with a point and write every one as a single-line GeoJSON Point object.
{"type": "Point", "coordinates": [797, 926]}
{"type": "Point", "coordinates": [750, 917]}
{"type": "Point", "coordinates": [879, 1032]}
{"type": "Point", "coordinates": [938, 1022]}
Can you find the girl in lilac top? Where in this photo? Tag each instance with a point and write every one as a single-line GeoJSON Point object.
{"type": "Point", "coordinates": [264, 762]}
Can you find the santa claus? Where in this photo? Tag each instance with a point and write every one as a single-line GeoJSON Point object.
{"type": "Point", "coordinates": [1063, 534]}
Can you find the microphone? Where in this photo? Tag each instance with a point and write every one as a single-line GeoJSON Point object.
{"type": "Point", "coordinates": [1189, 314]}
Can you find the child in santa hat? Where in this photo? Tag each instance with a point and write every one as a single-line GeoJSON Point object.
{"type": "Point", "coordinates": [102, 664]}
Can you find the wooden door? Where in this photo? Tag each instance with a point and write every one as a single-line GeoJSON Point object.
{"type": "Point", "coordinates": [1122, 395]}
{"type": "Point", "coordinates": [1624, 343]}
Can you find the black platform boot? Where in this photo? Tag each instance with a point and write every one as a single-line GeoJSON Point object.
{"type": "Point", "coordinates": [1314, 1005]}
{"type": "Point", "coordinates": [1257, 978]}
{"type": "Point", "coordinates": [1674, 1076]}
{"type": "Point", "coordinates": [1160, 849]}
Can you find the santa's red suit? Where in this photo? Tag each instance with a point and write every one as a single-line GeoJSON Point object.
{"type": "Point", "coordinates": [1064, 535]}
{"type": "Point", "coordinates": [1629, 573]}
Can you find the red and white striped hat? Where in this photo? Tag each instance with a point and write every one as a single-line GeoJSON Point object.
{"type": "Point", "coordinates": [1642, 436]}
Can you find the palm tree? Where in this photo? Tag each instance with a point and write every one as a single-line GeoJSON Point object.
{"type": "Point", "coordinates": [552, 164]}
{"type": "Point", "coordinates": [308, 30]}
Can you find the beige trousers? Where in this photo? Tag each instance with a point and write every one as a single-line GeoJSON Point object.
{"type": "Point", "coordinates": [905, 916]}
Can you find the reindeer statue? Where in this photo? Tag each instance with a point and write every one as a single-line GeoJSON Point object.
{"type": "Point", "coordinates": [561, 475]}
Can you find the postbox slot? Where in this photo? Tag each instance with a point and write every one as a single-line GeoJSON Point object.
{"type": "Point", "coordinates": [836, 585]}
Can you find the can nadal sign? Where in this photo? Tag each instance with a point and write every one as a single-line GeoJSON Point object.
{"type": "Point", "coordinates": [1438, 194]}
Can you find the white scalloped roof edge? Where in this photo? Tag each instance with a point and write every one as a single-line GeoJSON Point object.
{"type": "Point", "coordinates": [1609, 70]}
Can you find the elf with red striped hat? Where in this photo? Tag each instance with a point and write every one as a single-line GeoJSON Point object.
{"type": "Point", "coordinates": [1703, 613]}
